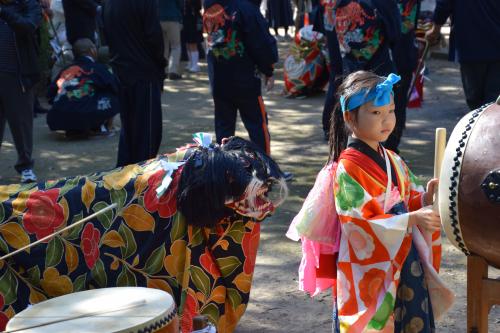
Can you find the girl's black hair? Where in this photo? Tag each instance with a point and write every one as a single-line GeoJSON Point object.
{"type": "Point", "coordinates": [339, 131]}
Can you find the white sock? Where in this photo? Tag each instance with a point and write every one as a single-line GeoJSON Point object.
{"type": "Point", "coordinates": [194, 61]}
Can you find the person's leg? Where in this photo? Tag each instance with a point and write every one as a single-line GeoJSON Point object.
{"type": "Point", "coordinates": [254, 117]}
{"type": "Point", "coordinates": [193, 56]}
{"type": "Point", "coordinates": [330, 102]}
{"type": "Point", "coordinates": [400, 101]}
{"type": "Point", "coordinates": [141, 116]}
{"type": "Point", "coordinates": [473, 80]}
{"type": "Point", "coordinates": [188, 52]}
{"type": "Point", "coordinates": [225, 118]}
{"type": "Point", "coordinates": [127, 124]}
{"type": "Point", "coordinates": [166, 40]}
{"type": "Point", "coordinates": [174, 30]}
{"type": "Point", "coordinates": [18, 112]}
{"type": "Point", "coordinates": [492, 84]}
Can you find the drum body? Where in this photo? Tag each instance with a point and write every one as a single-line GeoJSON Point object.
{"type": "Point", "coordinates": [469, 188]}
{"type": "Point", "coordinates": [126, 309]}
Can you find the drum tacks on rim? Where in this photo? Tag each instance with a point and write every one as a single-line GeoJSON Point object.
{"type": "Point", "coordinates": [469, 186]}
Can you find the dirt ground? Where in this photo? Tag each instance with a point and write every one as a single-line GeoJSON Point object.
{"type": "Point", "coordinates": [297, 144]}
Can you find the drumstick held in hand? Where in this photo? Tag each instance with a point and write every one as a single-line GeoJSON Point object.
{"type": "Point", "coordinates": [88, 218]}
{"type": "Point", "coordinates": [439, 148]}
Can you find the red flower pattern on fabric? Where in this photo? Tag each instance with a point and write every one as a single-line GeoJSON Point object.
{"type": "Point", "coordinates": [250, 245]}
{"type": "Point", "coordinates": [370, 284]}
{"type": "Point", "coordinates": [208, 263]}
{"type": "Point", "coordinates": [166, 205]}
{"type": "Point", "coordinates": [43, 215]}
{"type": "Point", "coordinates": [189, 311]}
{"type": "Point", "coordinates": [90, 244]}
{"type": "Point", "coordinates": [3, 317]}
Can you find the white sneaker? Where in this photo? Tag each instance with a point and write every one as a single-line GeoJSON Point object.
{"type": "Point", "coordinates": [28, 176]}
{"type": "Point", "coordinates": [194, 69]}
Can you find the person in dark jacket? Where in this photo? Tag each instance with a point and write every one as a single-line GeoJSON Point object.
{"type": "Point", "coordinates": [84, 95]}
{"type": "Point", "coordinates": [80, 17]}
{"type": "Point", "coordinates": [325, 23]}
{"type": "Point", "coordinates": [366, 29]}
{"type": "Point", "coordinates": [133, 32]}
{"type": "Point", "coordinates": [359, 36]}
{"type": "Point", "coordinates": [405, 55]}
{"type": "Point", "coordinates": [240, 48]}
{"type": "Point", "coordinates": [19, 72]}
{"type": "Point", "coordinates": [474, 43]}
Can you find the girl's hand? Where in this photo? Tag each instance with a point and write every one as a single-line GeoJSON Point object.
{"type": "Point", "coordinates": [429, 194]}
{"type": "Point", "coordinates": [426, 218]}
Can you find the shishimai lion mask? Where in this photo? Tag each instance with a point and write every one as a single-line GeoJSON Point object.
{"type": "Point", "coordinates": [235, 177]}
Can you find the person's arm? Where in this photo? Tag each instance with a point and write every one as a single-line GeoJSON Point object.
{"type": "Point", "coordinates": [391, 17]}
{"type": "Point", "coordinates": [24, 23]}
{"type": "Point", "coordinates": [259, 44]}
{"type": "Point", "coordinates": [90, 6]}
{"type": "Point", "coordinates": [153, 36]}
{"type": "Point", "coordinates": [442, 12]}
{"type": "Point", "coordinates": [359, 201]}
{"type": "Point", "coordinates": [104, 79]}
{"type": "Point", "coordinates": [52, 91]}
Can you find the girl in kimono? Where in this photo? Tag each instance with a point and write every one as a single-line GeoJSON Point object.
{"type": "Point", "coordinates": [390, 248]}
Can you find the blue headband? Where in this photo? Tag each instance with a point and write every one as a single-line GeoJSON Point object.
{"type": "Point", "coordinates": [380, 95]}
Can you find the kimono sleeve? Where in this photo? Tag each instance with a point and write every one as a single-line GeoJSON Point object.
{"type": "Point", "coordinates": [416, 200]}
{"type": "Point", "coordinates": [371, 235]}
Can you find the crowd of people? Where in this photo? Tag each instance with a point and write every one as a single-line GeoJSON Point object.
{"type": "Point", "coordinates": [112, 57]}
{"type": "Point", "coordinates": [378, 36]}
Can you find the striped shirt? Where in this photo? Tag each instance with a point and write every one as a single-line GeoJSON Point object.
{"type": "Point", "coordinates": [8, 57]}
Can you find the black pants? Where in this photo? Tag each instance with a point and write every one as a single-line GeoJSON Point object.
{"type": "Point", "coordinates": [400, 102]}
{"type": "Point", "coordinates": [16, 108]}
{"type": "Point", "coordinates": [141, 119]}
{"type": "Point", "coordinates": [481, 81]}
{"type": "Point", "coordinates": [253, 114]}
{"type": "Point", "coordinates": [335, 79]}
{"type": "Point", "coordinates": [330, 102]}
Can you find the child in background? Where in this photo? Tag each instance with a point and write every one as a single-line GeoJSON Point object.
{"type": "Point", "coordinates": [192, 26]}
{"type": "Point", "coordinates": [390, 245]}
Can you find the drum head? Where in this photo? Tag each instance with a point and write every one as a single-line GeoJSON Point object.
{"type": "Point", "coordinates": [469, 190]}
{"type": "Point", "coordinates": [127, 309]}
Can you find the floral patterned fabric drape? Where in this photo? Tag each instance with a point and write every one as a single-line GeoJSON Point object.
{"type": "Point", "coordinates": [142, 242]}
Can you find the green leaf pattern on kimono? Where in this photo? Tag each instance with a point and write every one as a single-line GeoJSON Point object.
{"type": "Point", "coordinates": [349, 193]}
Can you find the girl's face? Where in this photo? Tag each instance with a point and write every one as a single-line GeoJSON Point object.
{"type": "Point", "coordinates": [374, 124]}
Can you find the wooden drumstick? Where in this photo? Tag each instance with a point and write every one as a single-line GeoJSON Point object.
{"type": "Point", "coordinates": [88, 218]}
{"type": "Point", "coordinates": [439, 148]}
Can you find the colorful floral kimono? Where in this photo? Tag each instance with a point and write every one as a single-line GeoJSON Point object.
{"type": "Point", "coordinates": [383, 264]}
{"type": "Point", "coordinates": [142, 242]}
{"type": "Point", "coordinates": [305, 69]}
